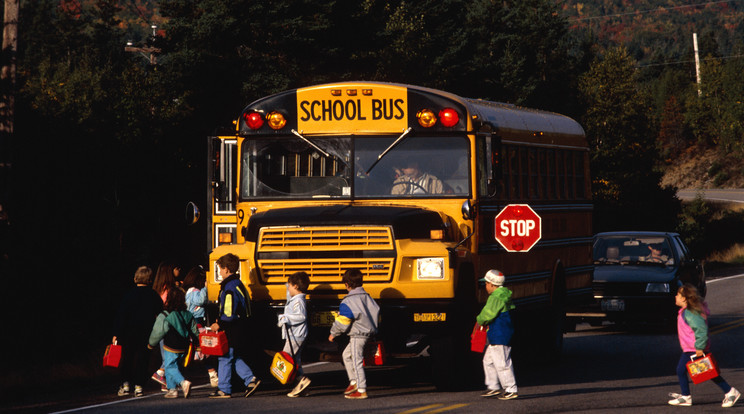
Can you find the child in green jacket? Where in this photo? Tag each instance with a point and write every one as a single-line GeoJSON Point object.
{"type": "Point", "coordinates": [497, 364]}
{"type": "Point", "coordinates": [177, 328]}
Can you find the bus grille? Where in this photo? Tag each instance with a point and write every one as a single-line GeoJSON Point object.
{"type": "Point", "coordinates": [276, 239]}
{"type": "Point", "coordinates": [353, 244]}
{"type": "Point", "coordinates": [326, 270]}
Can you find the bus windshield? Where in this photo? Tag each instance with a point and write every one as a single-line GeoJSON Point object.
{"type": "Point", "coordinates": [289, 167]}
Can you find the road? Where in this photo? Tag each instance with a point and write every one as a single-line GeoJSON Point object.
{"type": "Point", "coordinates": [731, 195]}
{"type": "Point", "coordinates": [605, 369]}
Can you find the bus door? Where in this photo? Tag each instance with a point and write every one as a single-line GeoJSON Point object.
{"type": "Point", "coordinates": [223, 173]}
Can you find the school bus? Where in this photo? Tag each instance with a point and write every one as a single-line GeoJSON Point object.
{"type": "Point", "coordinates": [318, 179]}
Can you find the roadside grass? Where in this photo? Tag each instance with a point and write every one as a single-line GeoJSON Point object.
{"type": "Point", "coordinates": [734, 255]}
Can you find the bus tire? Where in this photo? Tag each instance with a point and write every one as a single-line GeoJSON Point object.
{"type": "Point", "coordinates": [556, 321]}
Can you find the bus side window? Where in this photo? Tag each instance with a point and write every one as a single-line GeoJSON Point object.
{"type": "Point", "coordinates": [490, 166]}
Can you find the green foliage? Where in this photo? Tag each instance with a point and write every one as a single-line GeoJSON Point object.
{"type": "Point", "coordinates": [693, 221]}
{"type": "Point", "coordinates": [626, 187]}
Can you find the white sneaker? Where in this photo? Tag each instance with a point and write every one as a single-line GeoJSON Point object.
{"type": "Point", "coordinates": [731, 398]}
{"type": "Point", "coordinates": [680, 400]}
{"type": "Point", "coordinates": [186, 387]}
{"type": "Point", "coordinates": [123, 390]}
{"type": "Point", "coordinates": [300, 387]}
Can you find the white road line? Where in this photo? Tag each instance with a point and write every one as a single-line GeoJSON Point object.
{"type": "Point", "coordinates": [723, 278]}
{"type": "Point", "coordinates": [129, 399]}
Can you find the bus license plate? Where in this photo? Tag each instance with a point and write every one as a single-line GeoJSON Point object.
{"type": "Point", "coordinates": [322, 319]}
{"type": "Point", "coordinates": [613, 305]}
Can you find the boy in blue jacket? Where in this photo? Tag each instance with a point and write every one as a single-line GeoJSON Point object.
{"type": "Point", "coordinates": [357, 317]}
{"type": "Point", "coordinates": [497, 364]}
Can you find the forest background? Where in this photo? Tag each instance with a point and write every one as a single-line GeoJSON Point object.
{"type": "Point", "coordinates": [109, 145]}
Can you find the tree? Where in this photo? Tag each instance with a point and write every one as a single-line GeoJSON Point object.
{"type": "Point", "coordinates": [626, 184]}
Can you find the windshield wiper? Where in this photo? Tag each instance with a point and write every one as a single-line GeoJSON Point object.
{"type": "Point", "coordinates": [327, 155]}
{"type": "Point", "coordinates": [382, 154]}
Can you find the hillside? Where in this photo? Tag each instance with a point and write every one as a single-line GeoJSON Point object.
{"type": "Point", "coordinates": [660, 32]}
{"type": "Point", "coordinates": [703, 168]}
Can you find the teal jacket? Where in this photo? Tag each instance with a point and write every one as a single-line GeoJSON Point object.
{"type": "Point", "coordinates": [176, 329]}
{"type": "Point", "coordinates": [497, 315]}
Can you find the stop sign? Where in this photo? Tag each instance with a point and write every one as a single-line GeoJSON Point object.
{"type": "Point", "coordinates": [517, 228]}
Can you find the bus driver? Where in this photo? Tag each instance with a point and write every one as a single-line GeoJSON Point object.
{"type": "Point", "coordinates": [411, 180]}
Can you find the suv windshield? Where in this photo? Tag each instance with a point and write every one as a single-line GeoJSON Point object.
{"type": "Point", "coordinates": [289, 167]}
{"type": "Point", "coordinates": [632, 250]}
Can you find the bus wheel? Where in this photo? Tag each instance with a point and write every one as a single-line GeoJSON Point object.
{"type": "Point", "coordinates": [454, 367]}
{"type": "Point", "coordinates": [443, 367]}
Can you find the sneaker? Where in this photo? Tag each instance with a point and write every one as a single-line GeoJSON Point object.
{"type": "Point", "coordinates": [680, 400]}
{"type": "Point", "coordinates": [123, 390]}
{"type": "Point", "coordinates": [213, 379]}
{"type": "Point", "coordinates": [251, 387]}
{"type": "Point", "coordinates": [493, 393]}
{"type": "Point", "coordinates": [164, 388]}
{"type": "Point", "coordinates": [731, 398]}
{"type": "Point", "coordinates": [186, 387]}
{"type": "Point", "coordinates": [351, 388]}
{"type": "Point", "coordinates": [356, 395]}
{"type": "Point", "coordinates": [508, 396]}
{"type": "Point", "coordinates": [219, 394]}
{"type": "Point", "coordinates": [172, 393]}
{"type": "Point", "coordinates": [300, 387]}
{"type": "Point", "coordinates": [159, 378]}
{"type": "Point", "coordinates": [138, 391]}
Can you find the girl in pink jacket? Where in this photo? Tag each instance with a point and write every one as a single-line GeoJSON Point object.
{"type": "Point", "coordinates": [692, 329]}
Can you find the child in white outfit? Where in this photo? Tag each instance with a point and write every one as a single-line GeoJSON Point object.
{"type": "Point", "coordinates": [294, 319]}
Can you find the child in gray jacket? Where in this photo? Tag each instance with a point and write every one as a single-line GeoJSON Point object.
{"type": "Point", "coordinates": [357, 317]}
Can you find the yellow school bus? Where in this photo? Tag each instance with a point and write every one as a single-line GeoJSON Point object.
{"type": "Point", "coordinates": [407, 184]}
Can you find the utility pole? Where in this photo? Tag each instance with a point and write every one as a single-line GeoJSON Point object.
{"type": "Point", "coordinates": [697, 62]}
{"type": "Point", "coordinates": [152, 51]}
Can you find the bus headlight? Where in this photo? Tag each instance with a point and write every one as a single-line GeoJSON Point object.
{"type": "Point", "coordinates": [430, 268]}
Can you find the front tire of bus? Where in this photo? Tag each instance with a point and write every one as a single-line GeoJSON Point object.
{"type": "Point", "coordinates": [557, 318]}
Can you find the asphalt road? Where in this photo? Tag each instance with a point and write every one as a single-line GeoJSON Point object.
{"type": "Point", "coordinates": [730, 195]}
{"type": "Point", "coordinates": [603, 369]}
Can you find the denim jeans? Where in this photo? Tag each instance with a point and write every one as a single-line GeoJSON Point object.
{"type": "Point", "coordinates": [226, 364]}
{"type": "Point", "coordinates": [684, 384]}
{"type": "Point", "coordinates": [173, 375]}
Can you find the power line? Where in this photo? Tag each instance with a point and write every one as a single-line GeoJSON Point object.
{"type": "Point", "coordinates": [689, 61]}
{"type": "Point", "coordinates": [651, 11]}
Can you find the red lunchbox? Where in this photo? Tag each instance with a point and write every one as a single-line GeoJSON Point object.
{"type": "Point", "coordinates": [213, 343]}
{"type": "Point", "coordinates": [703, 369]}
{"type": "Point", "coordinates": [112, 356]}
{"type": "Point", "coordinates": [479, 338]}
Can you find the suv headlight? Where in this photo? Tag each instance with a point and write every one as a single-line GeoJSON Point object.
{"type": "Point", "coordinates": [657, 288]}
{"type": "Point", "coordinates": [430, 268]}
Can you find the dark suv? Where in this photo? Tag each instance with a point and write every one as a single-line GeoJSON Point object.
{"type": "Point", "coordinates": [637, 273]}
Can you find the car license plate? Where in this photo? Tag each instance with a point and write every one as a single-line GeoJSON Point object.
{"type": "Point", "coordinates": [322, 318]}
{"type": "Point", "coordinates": [613, 305]}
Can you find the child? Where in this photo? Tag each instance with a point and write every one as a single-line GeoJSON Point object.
{"type": "Point", "coordinates": [692, 329]}
{"type": "Point", "coordinates": [357, 317]}
{"type": "Point", "coordinates": [137, 313]}
{"type": "Point", "coordinates": [497, 364]}
{"type": "Point", "coordinates": [235, 308]}
{"type": "Point", "coordinates": [165, 279]}
{"type": "Point", "coordinates": [195, 284]}
{"type": "Point", "coordinates": [176, 327]}
{"type": "Point", "coordinates": [295, 320]}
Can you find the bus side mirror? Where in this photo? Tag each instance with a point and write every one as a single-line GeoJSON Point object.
{"type": "Point", "coordinates": [192, 213]}
{"type": "Point", "coordinates": [468, 212]}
